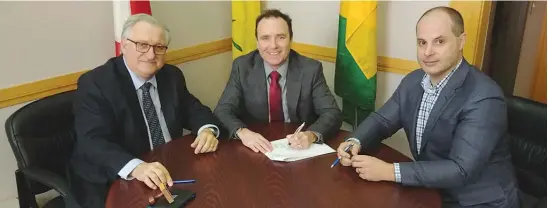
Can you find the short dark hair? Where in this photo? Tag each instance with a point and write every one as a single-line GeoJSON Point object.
{"type": "Point", "coordinates": [455, 16]}
{"type": "Point", "coordinates": [276, 14]}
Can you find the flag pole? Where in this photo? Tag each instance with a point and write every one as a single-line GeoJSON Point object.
{"type": "Point", "coordinates": [355, 118]}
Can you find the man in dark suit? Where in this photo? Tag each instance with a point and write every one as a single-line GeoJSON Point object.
{"type": "Point", "coordinates": [455, 120]}
{"type": "Point", "coordinates": [128, 106]}
{"type": "Point", "coordinates": [275, 83]}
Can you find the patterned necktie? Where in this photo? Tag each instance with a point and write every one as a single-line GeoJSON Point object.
{"type": "Point", "coordinates": [275, 95]}
{"type": "Point", "coordinates": [152, 118]}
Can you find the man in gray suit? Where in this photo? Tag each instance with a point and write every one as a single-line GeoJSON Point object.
{"type": "Point", "coordinates": [275, 83]}
{"type": "Point", "coordinates": [455, 120]}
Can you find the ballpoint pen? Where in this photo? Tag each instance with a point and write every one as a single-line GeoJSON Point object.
{"type": "Point", "coordinates": [184, 181]}
{"type": "Point", "coordinates": [339, 159]}
{"type": "Point", "coordinates": [296, 132]}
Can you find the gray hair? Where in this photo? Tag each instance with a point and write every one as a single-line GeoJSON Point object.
{"type": "Point", "coordinates": [134, 19]}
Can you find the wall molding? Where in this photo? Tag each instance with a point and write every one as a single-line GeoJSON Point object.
{"type": "Point", "coordinates": [199, 51]}
{"type": "Point", "coordinates": [46, 87]}
{"type": "Point", "coordinates": [476, 16]}
{"type": "Point", "coordinates": [42, 88]}
{"type": "Point", "coordinates": [38, 89]}
{"type": "Point", "coordinates": [315, 52]}
{"type": "Point", "coordinates": [385, 64]}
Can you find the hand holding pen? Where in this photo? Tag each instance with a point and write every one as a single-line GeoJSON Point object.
{"type": "Point", "coordinates": [296, 132]}
{"type": "Point", "coordinates": [300, 140]}
{"type": "Point", "coordinates": [345, 152]}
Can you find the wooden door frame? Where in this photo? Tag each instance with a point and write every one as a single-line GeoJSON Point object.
{"type": "Point", "coordinates": [476, 16]}
{"type": "Point", "coordinates": [538, 92]}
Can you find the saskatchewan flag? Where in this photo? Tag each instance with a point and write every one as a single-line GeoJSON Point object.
{"type": "Point", "coordinates": [356, 63]}
{"type": "Point", "coordinates": [244, 14]}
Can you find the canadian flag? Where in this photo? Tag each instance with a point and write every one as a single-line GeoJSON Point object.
{"type": "Point", "coordinates": [122, 10]}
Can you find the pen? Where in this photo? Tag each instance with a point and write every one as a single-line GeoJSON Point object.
{"type": "Point", "coordinates": [296, 132]}
{"type": "Point", "coordinates": [339, 159]}
{"type": "Point", "coordinates": [184, 181]}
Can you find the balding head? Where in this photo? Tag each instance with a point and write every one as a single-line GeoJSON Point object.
{"type": "Point", "coordinates": [457, 23]}
{"type": "Point", "coordinates": [440, 41]}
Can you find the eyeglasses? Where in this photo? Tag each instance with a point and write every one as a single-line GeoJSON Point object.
{"type": "Point", "coordinates": [143, 47]}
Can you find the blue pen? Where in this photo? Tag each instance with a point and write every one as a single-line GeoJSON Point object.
{"type": "Point", "coordinates": [338, 159]}
{"type": "Point", "coordinates": [184, 181]}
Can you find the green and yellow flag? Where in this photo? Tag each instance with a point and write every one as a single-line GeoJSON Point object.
{"type": "Point", "coordinates": [244, 14]}
{"type": "Point", "coordinates": [356, 64]}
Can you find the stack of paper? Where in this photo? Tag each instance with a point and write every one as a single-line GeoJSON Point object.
{"type": "Point", "coordinates": [283, 152]}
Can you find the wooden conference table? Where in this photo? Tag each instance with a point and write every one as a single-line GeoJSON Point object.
{"type": "Point", "coordinates": [235, 176]}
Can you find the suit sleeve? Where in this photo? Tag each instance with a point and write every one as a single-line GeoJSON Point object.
{"type": "Point", "coordinates": [228, 108]}
{"type": "Point", "coordinates": [381, 124]}
{"type": "Point", "coordinates": [195, 114]}
{"type": "Point", "coordinates": [94, 123]}
{"type": "Point", "coordinates": [481, 126]}
{"type": "Point", "coordinates": [329, 121]}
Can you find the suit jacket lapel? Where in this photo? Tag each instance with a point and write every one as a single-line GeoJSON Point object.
{"type": "Point", "coordinates": [415, 100]}
{"type": "Point", "coordinates": [257, 80]}
{"type": "Point", "coordinates": [167, 96]}
{"type": "Point", "coordinates": [293, 84]}
{"type": "Point", "coordinates": [128, 89]}
{"type": "Point", "coordinates": [447, 94]}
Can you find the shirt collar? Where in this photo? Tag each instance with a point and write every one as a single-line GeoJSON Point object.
{"type": "Point", "coordinates": [427, 84]}
{"type": "Point", "coordinates": [138, 81]}
{"type": "Point", "coordinates": [282, 69]}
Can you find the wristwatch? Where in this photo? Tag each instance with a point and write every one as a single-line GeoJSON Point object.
{"type": "Point", "coordinates": [236, 133]}
{"type": "Point", "coordinates": [319, 138]}
{"type": "Point", "coordinates": [214, 131]}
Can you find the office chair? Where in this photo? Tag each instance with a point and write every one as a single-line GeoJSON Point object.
{"type": "Point", "coordinates": [527, 130]}
{"type": "Point", "coordinates": [41, 135]}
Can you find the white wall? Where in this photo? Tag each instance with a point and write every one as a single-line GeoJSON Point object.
{"type": "Point", "coordinates": [316, 23]}
{"type": "Point", "coordinates": [47, 39]}
{"type": "Point", "coordinates": [396, 23]}
{"type": "Point", "coordinates": [194, 22]}
{"type": "Point", "coordinates": [207, 77]}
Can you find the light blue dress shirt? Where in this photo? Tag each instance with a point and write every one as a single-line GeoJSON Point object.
{"type": "Point", "coordinates": [282, 70]}
{"type": "Point", "coordinates": [138, 82]}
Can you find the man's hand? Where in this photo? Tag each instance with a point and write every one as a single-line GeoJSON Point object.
{"type": "Point", "coordinates": [254, 141]}
{"type": "Point", "coordinates": [345, 156]}
{"type": "Point", "coordinates": [152, 174]}
{"type": "Point", "coordinates": [205, 142]}
{"type": "Point", "coordinates": [373, 169]}
{"type": "Point", "coordinates": [301, 140]}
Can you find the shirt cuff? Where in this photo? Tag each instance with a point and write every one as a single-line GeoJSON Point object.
{"type": "Point", "coordinates": [212, 127]}
{"type": "Point", "coordinates": [319, 136]}
{"type": "Point", "coordinates": [354, 140]}
{"type": "Point", "coordinates": [126, 170]}
{"type": "Point", "coordinates": [397, 173]}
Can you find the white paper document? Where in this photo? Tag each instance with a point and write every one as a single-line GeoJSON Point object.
{"type": "Point", "coordinates": [283, 152]}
